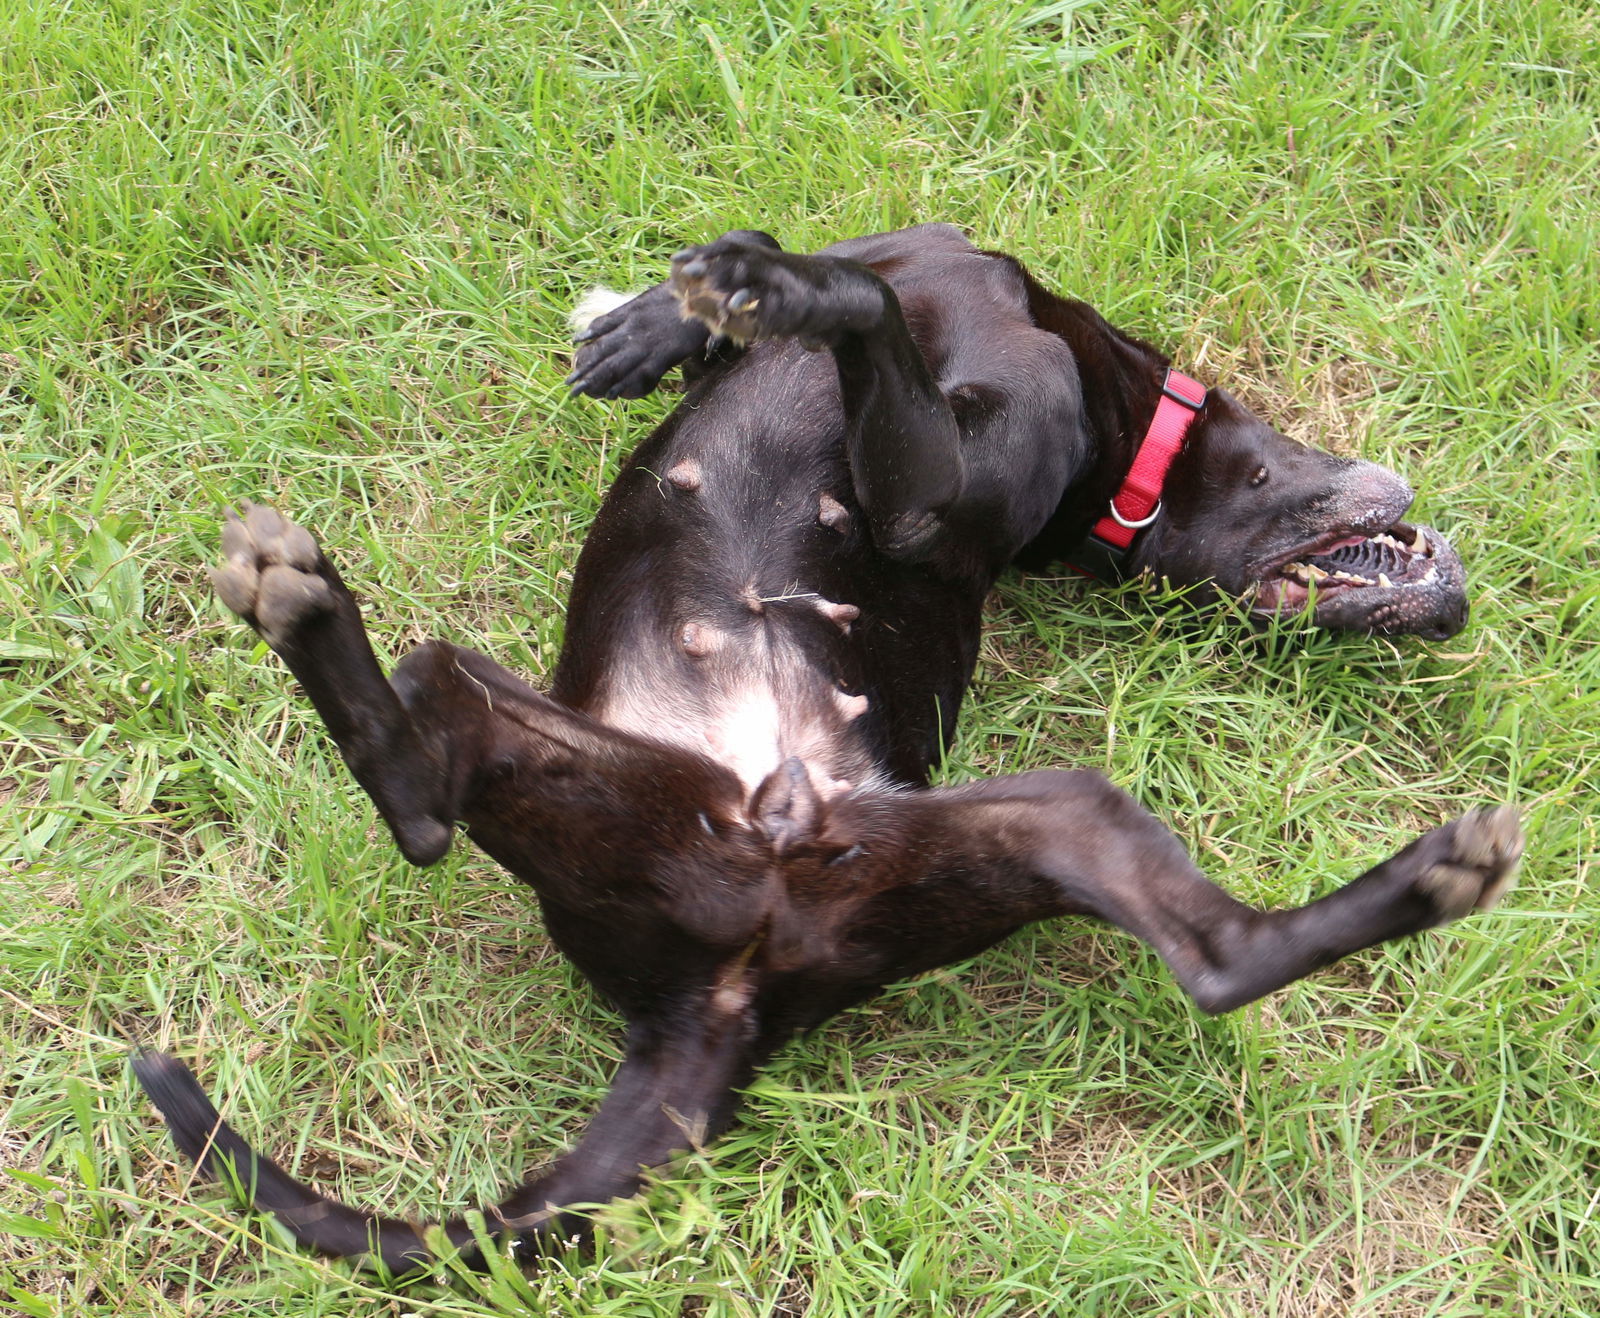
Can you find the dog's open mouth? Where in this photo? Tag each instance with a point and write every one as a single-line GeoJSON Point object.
{"type": "Point", "coordinates": [1385, 559]}
{"type": "Point", "coordinates": [1403, 579]}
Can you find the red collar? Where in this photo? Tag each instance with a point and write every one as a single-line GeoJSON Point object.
{"type": "Point", "coordinates": [1137, 503]}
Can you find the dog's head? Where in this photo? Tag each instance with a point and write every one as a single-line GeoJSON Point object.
{"type": "Point", "coordinates": [1249, 512]}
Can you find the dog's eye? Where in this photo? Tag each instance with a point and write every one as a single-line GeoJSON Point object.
{"type": "Point", "coordinates": [1260, 478]}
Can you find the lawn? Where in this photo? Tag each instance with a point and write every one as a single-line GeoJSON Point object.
{"type": "Point", "coordinates": [320, 253]}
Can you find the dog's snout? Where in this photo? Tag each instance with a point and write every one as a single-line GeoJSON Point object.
{"type": "Point", "coordinates": [1366, 485]}
{"type": "Point", "coordinates": [1452, 620]}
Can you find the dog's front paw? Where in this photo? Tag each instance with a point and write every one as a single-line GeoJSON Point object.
{"type": "Point", "coordinates": [270, 573]}
{"type": "Point", "coordinates": [722, 291]}
{"type": "Point", "coordinates": [1471, 862]}
{"type": "Point", "coordinates": [747, 293]}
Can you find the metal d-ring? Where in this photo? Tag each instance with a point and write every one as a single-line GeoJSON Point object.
{"type": "Point", "coordinates": [1143, 522]}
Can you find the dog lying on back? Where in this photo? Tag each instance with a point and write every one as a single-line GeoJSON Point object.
{"type": "Point", "coordinates": [721, 803]}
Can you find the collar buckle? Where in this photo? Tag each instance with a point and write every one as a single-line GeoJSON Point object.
{"type": "Point", "coordinates": [1139, 525]}
{"type": "Point", "coordinates": [1194, 403]}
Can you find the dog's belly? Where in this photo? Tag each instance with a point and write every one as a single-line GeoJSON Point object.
{"type": "Point", "coordinates": [729, 598]}
{"type": "Point", "coordinates": [715, 596]}
{"type": "Point", "coordinates": [750, 715]}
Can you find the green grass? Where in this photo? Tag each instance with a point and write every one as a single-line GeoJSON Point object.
{"type": "Point", "coordinates": [319, 253]}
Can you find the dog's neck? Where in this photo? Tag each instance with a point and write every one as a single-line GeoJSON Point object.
{"type": "Point", "coordinates": [1121, 379]}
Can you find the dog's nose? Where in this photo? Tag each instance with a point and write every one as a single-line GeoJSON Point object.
{"type": "Point", "coordinates": [1452, 619]}
{"type": "Point", "coordinates": [1373, 493]}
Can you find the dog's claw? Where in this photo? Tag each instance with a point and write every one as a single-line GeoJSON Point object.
{"type": "Point", "coordinates": [740, 299]}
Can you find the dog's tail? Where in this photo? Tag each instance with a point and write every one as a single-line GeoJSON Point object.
{"type": "Point", "coordinates": [316, 1221]}
{"type": "Point", "coordinates": [669, 1094]}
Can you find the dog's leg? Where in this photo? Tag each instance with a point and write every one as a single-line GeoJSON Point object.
{"type": "Point", "coordinates": [452, 736]}
{"type": "Point", "coordinates": [626, 352]}
{"type": "Point", "coordinates": [605, 825]}
{"type": "Point", "coordinates": [901, 435]}
{"type": "Point", "coordinates": [275, 577]}
{"type": "Point", "coordinates": [674, 1089]}
{"type": "Point", "coordinates": [957, 468]}
{"type": "Point", "coordinates": [1101, 854]}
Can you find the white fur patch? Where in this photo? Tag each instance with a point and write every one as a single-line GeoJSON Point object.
{"type": "Point", "coordinates": [594, 304]}
{"type": "Point", "coordinates": [744, 735]}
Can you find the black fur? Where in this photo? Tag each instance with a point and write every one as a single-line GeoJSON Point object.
{"type": "Point", "coordinates": [721, 804]}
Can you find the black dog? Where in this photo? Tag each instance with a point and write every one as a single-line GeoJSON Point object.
{"type": "Point", "coordinates": [720, 804]}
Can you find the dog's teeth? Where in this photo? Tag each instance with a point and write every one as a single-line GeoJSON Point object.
{"type": "Point", "coordinates": [1305, 573]}
{"type": "Point", "coordinates": [1428, 577]}
{"type": "Point", "coordinates": [1352, 577]}
{"type": "Point", "coordinates": [1420, 544]}
{"type": "Point", "coordinates": [1384, 581]}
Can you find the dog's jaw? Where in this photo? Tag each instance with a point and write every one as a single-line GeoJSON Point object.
{"type": "Point", "coordinates": [1406, 579]}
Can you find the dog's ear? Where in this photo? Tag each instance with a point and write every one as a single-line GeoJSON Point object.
{"type": "Point", "coordinates": [785, 807]}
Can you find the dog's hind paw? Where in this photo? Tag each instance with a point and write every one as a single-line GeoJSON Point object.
{"type": "Point", "coordinates": [748, 292]}
{"type": "Point", "coordinates": [1479, 864]}
{"type": "Point", "coordinates": [270, 573]}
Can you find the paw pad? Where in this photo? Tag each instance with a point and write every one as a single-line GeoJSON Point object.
{"type": "Point", "coordinates": [1484, 848]}
{"type": "Point", "coordinates": [732, 315]}
{"type": "Point", "coordinates": [270, 574]}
